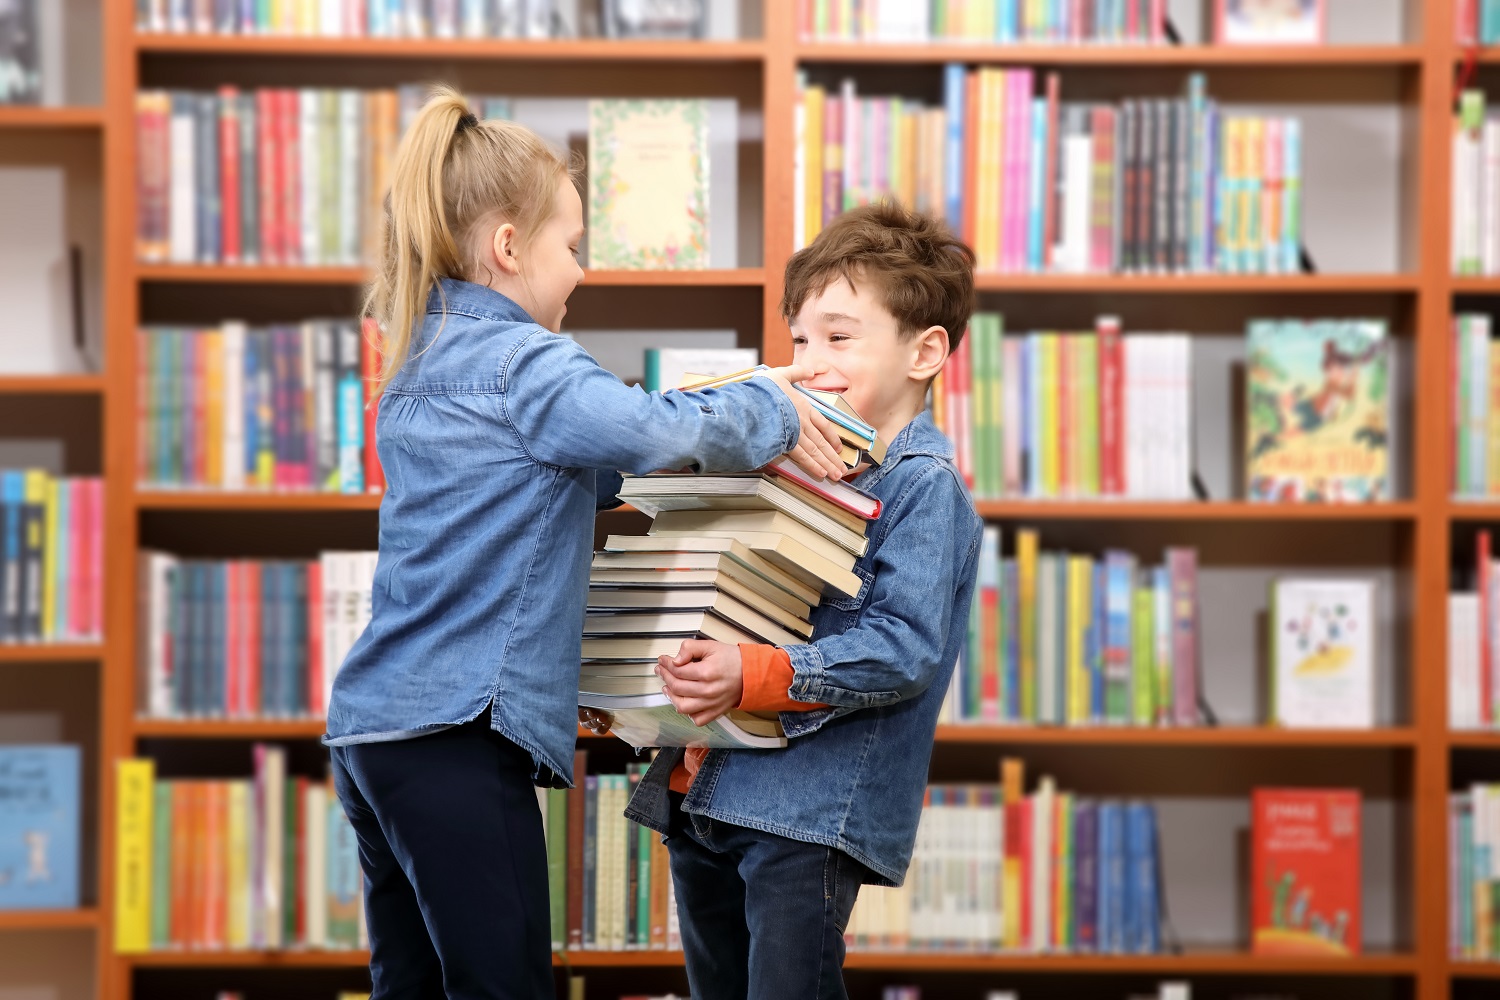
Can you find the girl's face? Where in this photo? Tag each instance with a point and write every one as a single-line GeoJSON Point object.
{"type": "Point", "coordinates": [544, 268]}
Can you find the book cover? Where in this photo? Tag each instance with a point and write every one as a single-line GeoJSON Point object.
{"type": "Point", "coordinates": [1305, 872]}
{"type": "Point", "coordinates": [1318, 412]}
{"type": "Point", "coordinates": [1323, 656]}
{"type": "Point", "coordinates": [39, 832]}
{"type": "Point", "coordinates": [133, 855]}
{"type": "Point", "coordinates": [648, 180]}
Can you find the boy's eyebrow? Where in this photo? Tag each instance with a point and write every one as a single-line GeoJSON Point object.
{"type": "Point", "coordinates": [838, 318]}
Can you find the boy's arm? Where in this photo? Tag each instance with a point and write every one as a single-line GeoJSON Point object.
{"type": "Point", "coordinates": [896, 648]}
{"type": "Point", "coordinates": [567, 411]}
{"type": "Point", "coordinates": [766, 678]}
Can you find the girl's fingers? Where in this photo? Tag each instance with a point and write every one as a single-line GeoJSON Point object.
{"type": "Point", "coordinates": [828, 444]}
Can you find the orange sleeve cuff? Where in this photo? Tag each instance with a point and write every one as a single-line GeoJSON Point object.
{"type": "Point", "coordinates": [766, 673]}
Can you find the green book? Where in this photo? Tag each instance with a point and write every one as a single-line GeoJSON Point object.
{"type": "Point", "coordinates": [1143, 666]}
{"type": "Point", "coordinates": [557, 864]}
{"type": "Point", "coordinates": [292, 848]}
{"type": "Point", "coordinates": [652, 379]}
{"type": "Point", "coordinates": [643, 885]}
{"type": "Point", "coordinates": [161, 865]}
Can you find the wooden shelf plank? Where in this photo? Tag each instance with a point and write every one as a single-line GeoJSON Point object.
{"type": "Point", "coordinates": [248, 959]}
{"type": "Point", "coordinates": [230, 729]}
{"type": "Point", "coordinates": [1281, 56]}
{"type": "Point", "coordinates": [37, 117]}
{"type": "Point", "coordinates": [60, 385]}
{"type": "Point", "coordinates": [1474, 510]}
{"type": "Point", "coordinates": [1476, 739]}
{"type": "Point", "coordinates": [1477, 285]}
{"type": "Point", "coordinates": [1474, 970]}
{"type": "Point", "coordinates": [1206, 736]}
{"type": "Point", "coordinates": [50, 652]}
{"type": "Point", "coordinates": [288, 275]}
{"type": "Point", "coordinates": [1224, 510]}
{"type": "Point", "coordinates": [85, 918]}
{"type": "Point", "coordinates": [1204, 284]}
{"type": "Point", "coordinates": [550, 50]}
{"type": "Point", "coordinates": [254, 501]}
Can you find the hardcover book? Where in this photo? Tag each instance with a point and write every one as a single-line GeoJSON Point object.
{"type": "Point", "coordinates": [648, 184]}
{"type": "Point", "coordinates": [39, 827]}
{"type": "Point", "coordinates": [1322, 653]}
{"type": "Point", "coordinates": [1305, 872]}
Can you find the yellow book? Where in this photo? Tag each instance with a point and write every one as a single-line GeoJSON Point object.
{"type": "Point", "coordinates": [1026, 553]}
{"type": "Point", "coordinates": [134, 778]}
{"type": "Point", "coordinates": [1231, 233]}
{"type": "Point", "coordinates": [910, 145]}
{"type": "Point", "coordinates": [49, 562]}
{"type": "Point", "coordinates": [237, 873]}
{"type": "Point", "coordinates": [1049, 443]}
{"type": "Point", "coordinates": [1080, 575]}
{"type": "Point", "coordinates": [1012, 790]}
{"type": "Point", "coordinates": [1253, 164]}
{"type": "Point", "coordinates": [211, 343]}
{"type": "Point", "coordinates": [1492, 465]}
{"type": "Point", "coordinates": [989, 177]}
{"type": "Point", "coordinates": [813, 100]}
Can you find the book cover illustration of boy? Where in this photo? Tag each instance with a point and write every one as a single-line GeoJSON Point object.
{"type": "Point", "coordinates": [1317, 423]}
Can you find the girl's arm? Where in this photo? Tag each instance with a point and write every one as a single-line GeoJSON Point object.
{"type": "Point", "coordinates": [567, 411]}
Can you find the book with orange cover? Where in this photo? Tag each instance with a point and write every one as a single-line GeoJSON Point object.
{"type": "Point", "coordinates": [1305, 872]}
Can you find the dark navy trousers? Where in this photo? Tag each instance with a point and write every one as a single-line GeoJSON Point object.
{"type": "Point", "coordinates": [455, 865]}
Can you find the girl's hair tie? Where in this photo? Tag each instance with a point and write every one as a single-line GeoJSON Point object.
{"type": "Point", "coordinates": [466, 121]}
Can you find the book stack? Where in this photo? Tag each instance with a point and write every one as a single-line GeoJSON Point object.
{"type": "Point", "coordinates": [1003, 22]}
{"type": "Point", "coordinates": [1476, 187]}
{"type": "Point", "coordinates": [1476, 407]}
{"type": "Point", "coordinates": [1052, 415]}
{"type": "Point", "coordinates": [244, 639]}
{"type": "Point", "coordinates": [282, 408]}
{"type": "Point", "coordinates": [1474, 873]}
{"type": "Point", "coordinates": [1046, 873]}
{"type": "Point", "coordinates": [733, 558]}
{"type": "Point", "coordinates": [1064, 639]}
{"type": "Point", "coordinates": [1477, 22]}
{"type": "Point", "coordinates": [609, 881]}
{"type": "Point", "coordinates": [264, 863]}
{"type": "Point", "coordinates": [51, 557]}
{"type": "Point", "coordinates": [1036, 184]}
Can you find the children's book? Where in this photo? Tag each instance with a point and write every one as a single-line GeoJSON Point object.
{"type": "Point", "coordinates": [1317, 425]}
{"type": "Point", "coordinates": [651, 720]}
{"type": "Point", "coordinates": [1322, 653]}
{"type": "Point", "coordinates": [39, 827]}
{"type": "Point", "coordinates": [648, 184]}
{"type": "Point", "coordinates": [667, 367]}
{"type": "Point", "coordinates": [1305, 872]}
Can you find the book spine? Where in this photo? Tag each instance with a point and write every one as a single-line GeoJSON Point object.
{"type": "Point", "coordinates": [1183, 569]}
{"type": "Point", "coordinates": [369, 374]}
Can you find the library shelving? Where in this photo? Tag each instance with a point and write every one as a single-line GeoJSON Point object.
{"type": "Point", "coordinates": [1415, 75]}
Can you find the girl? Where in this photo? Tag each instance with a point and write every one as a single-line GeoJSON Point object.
{"type": "Point", "coordinates": [462, 691]}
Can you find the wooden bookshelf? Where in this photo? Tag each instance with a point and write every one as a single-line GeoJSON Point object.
{"type": "Point", "coordinates": [83, 919]}
{"type": "Point", "coordinates": [1417, 75]}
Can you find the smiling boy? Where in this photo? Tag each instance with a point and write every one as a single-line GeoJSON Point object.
{"type": "Point", "coordinates": [768, 848]}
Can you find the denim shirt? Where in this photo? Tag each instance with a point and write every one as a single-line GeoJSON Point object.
{"type": "Point", "coordinates": [490, 437]}
{"type": "Point", "coordinates": [853, 775]}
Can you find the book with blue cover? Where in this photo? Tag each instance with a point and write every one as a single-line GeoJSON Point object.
{"type": "Point", "coordinates": [39, 827]}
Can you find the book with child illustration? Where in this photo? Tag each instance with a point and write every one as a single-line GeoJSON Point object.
{"type": "Point", "coordinates": [739, 559]}
{"type": "Point", "coordinates": [1305, 872]}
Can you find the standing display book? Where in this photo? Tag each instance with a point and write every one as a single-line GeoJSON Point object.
{"type": "Point", "coordinates": [1322, 653]}
{"type": "Point", "coordinates": [1305, 872]}
{"type": "Point", "coordinates": [39, 827]}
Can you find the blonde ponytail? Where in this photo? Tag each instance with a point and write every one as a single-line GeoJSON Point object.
{"type": "Point", "coordinates": [452, 174]}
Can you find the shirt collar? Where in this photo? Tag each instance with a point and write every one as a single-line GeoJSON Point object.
{"type": "Point", "coordinates": [464, 298]}
{"type": "Point", "coordinates": [920, 437]}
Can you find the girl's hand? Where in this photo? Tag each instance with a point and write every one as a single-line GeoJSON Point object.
{"type": "Point", "coordinates": [817, 450]}
{"type": "Point", "coordinates": [595, 720]}
{"type": "Point", "coordinates": [703, 680]}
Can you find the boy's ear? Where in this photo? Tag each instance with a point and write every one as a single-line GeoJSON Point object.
{"type": "Point", "coordinates": [931, 351]}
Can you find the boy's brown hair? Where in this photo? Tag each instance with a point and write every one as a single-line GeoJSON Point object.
{"type": "Point", "coordinates": [923, 274]}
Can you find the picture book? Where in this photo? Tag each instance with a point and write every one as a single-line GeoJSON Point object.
{"type": "Point", "coordinates": [1270, 22]}
{"type": "Point", "coordinates": [1322, 653]}
{"type": "Point", "coordinates": [39, 827]}
{"type": "Point", "coordinates": [1317, 425]}
{"type": "Point", "coordinates": [1305, 872]}
{"type": "Point", "coordinates": [648, 182]}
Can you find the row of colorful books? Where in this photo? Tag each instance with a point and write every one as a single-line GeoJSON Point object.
{"type": "Point", "coordinates": [1050, 415]}
{"type": "Point", "coordinates": [1059, 638]}
{"type": "Point", "coordinates": [609, 880]}
{"type": "Point", "coordinates": [51, 557]}
{"type": "Point", "coordinates": [995, 868]}
{"type": "Point", "coordinates": [1048, 22]}
{"type": "Point", "coordinates": [1476, 187]}
{"type": "Point", "coordinates": [264, 863]}
{"type": "Point", "coordinates": [1474, 873]}
{"type": "Point", "coordinates": [352, 18]}
{"type": "Point", "coordinates": [235, 407]}
{"type": "Point", "coordinates": [1477, 22]}
{"type": "Point", "coordinates": [244, 639]}
{"type": "Point", "coordinates": [1476, 407]}
{"type": "Point", "coordinates": [1036, 184]}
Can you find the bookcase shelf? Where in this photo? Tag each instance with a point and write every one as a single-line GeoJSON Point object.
{"type": "Point", "coordinates": [1201, 284]}
{"type": "Point", "coordinates": [291, 275]}
{"type": "Point", "coordinates": [1476, 286]}
{"type": "Point", "coordinates": [230, 729]}
{"type": "Point", "coordinates": [1474, 970]}
{"type": "Point", "coordinates": [579, 50]}
{"type": "Point", "coordinates": [1222, 510]}
{"type": "Point", "coordinates": [36, 117]}
{"type": "Point", "coordinates": [85, 918]}
{"type": "Point", "coordinates": [211, 500]}
{"type": "Point", "coordinates": [1124, 56]}
{"type": "Point", "coordinates": [59, 385]}
{"type": "Point", "coordinates": [1400, 737]}
{"type": "Point", "coordinates": [1474, 739]}
{"type": "Point", "coordinates": [1475, 510]}
{"type": "Point", "coordinates": [44, 652]}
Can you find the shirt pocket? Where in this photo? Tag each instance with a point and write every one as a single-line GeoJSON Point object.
{"type": "Point", "coordinates": [850, 606]}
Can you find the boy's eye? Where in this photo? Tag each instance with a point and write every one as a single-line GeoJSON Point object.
{"type": "Point", "coordinates": [798, 341]}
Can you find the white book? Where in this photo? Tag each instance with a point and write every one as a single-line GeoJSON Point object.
{"type": "Point", "coordinates": [1077, 158]}
{"type": "Point", "coordinates": [1048, 709]}
{"type": "Point", "coordinates": [1183, 411]}
{"type": "Point", "coordinates": [351, 173]}
{"type": "Point", "coordinates": [331, 21]}
{"type": "Point", "coordinates": [1323, 653]}
{"type": "Point", "coordinates": [159, 569]}
{"type": "Point", "coordinates": [1043, 805]}
{"type": "Point", "coordinates": [233, 466]}
{"type": "Point", "coordinates": [1490, 199]}
{"type": "Point", "coordinates": [315, 865]}
{"type": "Point", "coordinates": [182, 194]}
{"type": "Point", "coordinates": [1463, 661]}
{"type": "Point", "coordinates": [309, 207]}
{"type": "Point", "coordinates": [1131, 432]}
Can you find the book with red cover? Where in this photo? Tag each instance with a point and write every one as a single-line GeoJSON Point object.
{"type": "Point", "coordinates": [369, 371]}
{"type": "Point", "coordinates": [315, 704]}
{"type": "Point", "coordinates": [1111, 406]}
{"type": "Point", "coordinates": [1305, 872]}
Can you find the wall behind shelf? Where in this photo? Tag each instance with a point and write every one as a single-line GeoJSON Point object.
{"type": "Point", "coordinates": [47, 965]}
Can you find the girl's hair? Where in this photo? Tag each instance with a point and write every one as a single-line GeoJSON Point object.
{"type": "Point", "coordinates": [453, 173]}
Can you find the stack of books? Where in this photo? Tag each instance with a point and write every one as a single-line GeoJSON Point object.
{"type": "Point", "coordinates": [51, 557]}
{"type": "Point", "coordinates": [1476, 187]}
{"type": "Point", "coordinates": [1048, 22]}
{"type": "Point", "coordinates": [1474, 872]}
{"type": "Point", "coordinates": [733, 558]}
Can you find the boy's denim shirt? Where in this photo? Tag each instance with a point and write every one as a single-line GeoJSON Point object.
{"type": "Point", "coordinates": [490, 436]}
{"type": "Point", "coordinates": [853, 775]}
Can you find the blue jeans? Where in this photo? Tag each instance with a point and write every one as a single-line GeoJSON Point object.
{"type": "Point", "coordinates": [762, 916]}
{"type": "Point", "coordinates": [455, 864]}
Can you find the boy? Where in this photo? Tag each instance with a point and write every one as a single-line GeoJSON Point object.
{"type": "Point", "coordinates": [768, 848]}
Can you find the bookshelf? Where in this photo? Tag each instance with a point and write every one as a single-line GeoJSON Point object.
{"type": "Point", "coordinates": [1414, 749]}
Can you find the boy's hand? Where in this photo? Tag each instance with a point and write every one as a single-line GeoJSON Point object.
{"type": "Point", "coordinates": [703, 680]}
{"type": "Point", "coordinates": [595, 720]}
{"type": "Point", "coordinates": [817, 450]}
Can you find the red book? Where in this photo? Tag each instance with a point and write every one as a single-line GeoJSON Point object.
{"type": "Point", "coordinates": [181, 875]}
{"type": "Point", "coordinates": [1158, 21]}
{"type": "Point", "coordinates": [1111, 407]}
{"type": "Point", "coordinates": [989, 651]}
{"type": "Point", "coordinates": [1486, 626]}
{"type": "Point", "coordinates": [295, 889]}
{"type": "Point", "coordinates": [289, 179]}
{"type": "Point", "coordinates": [1049, 194]}
{"type": "Point", "coordinates": [93, 488]}
{"type": "Point", "coordinates": [78, 559]}
{"type": "Point", "coordinates": [370, 376]}
{"type": "Point", "coordinates": [214, 802]}
{"type": "Point", "coordinates": [268, 169]}
{"type": "Point", "coordinates": [232, 644]}
{"type": "Point", "coordinates": [1132, 20]}
{"type": "Point", "coordinates": [1305, 872]}
{"type": "Point", "coordinates": [229, 175]}
{"type": "Point", "coordinates": [253, 605]}
{"type": "Point", "coordinates": [315, 704]}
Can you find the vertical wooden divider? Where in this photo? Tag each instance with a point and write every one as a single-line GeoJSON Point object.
{"type": "Point", "coordinates": [779, 90]}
